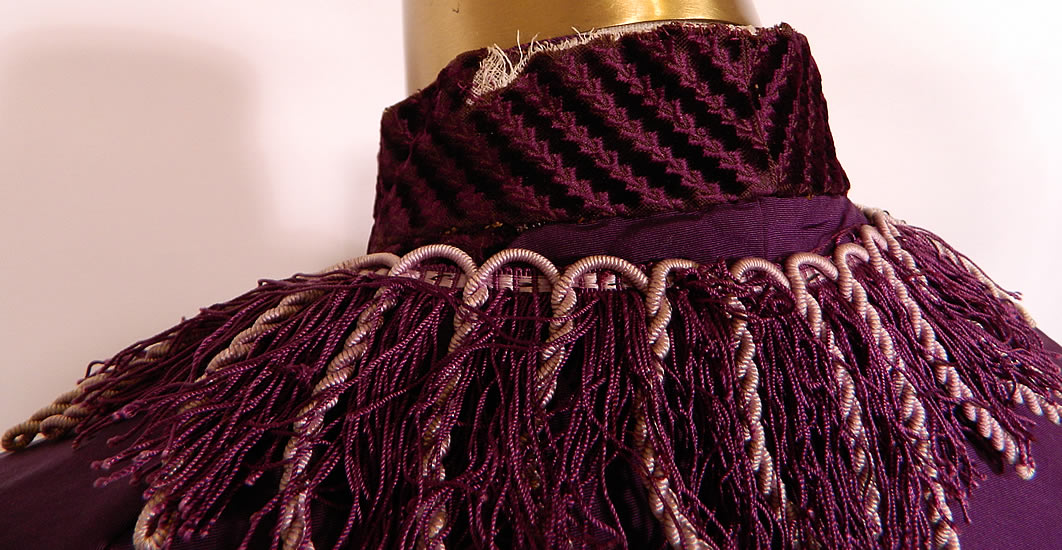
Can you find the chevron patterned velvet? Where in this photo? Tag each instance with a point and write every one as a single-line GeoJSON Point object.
{"type": "Point", "coordinates": [671, 120]}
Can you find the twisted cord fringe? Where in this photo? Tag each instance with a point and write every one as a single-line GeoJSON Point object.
{"type": "Point", "coordinates": [64, 414]}
{"type": "Point", "coordinates": [662, 500]}
{"type": "Point", "coordinates": [852, 410]}
{"type": "Point", "coordinates": [879, 249]}
{"type": "Point", "coordinates": [748, 374]}
{"type": "Point", "coordinates": [293, 526]}
{"type": "Point", "coordinates": [914, 413]}
{"type": "Point", "coordinates": [154, 525]}
{"type": "Point", "coordinates": [946, 374]}
{"type": "Point", "coordinates": [436, 437]}
{"type": "Point", "coordinates": [1022, 395]}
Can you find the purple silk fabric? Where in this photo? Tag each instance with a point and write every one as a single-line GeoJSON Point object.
{"type": "Point", "coordinates": [50, 502]}
{"type": "Point", "coordinates": [770, 227]}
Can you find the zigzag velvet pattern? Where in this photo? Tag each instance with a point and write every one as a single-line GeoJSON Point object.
{"type": "Point", "coordinates": [439, 403]}
{"type": "Point", "coordinates": [668, 120]}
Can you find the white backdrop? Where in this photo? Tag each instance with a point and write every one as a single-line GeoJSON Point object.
{"type": "Point", "coordinates": [159, 156]}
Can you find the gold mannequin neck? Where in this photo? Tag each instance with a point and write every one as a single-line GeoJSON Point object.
{"type": "Point", "coordinates": [436, 31]}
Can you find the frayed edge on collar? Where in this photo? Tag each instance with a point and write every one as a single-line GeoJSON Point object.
{"type": "Point", "coordinates": [498, 69]}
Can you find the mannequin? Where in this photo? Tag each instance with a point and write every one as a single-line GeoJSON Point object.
{"type": "Point", "coordinates": [436, 32]}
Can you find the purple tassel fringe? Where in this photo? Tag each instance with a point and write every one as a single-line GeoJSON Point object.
{"type": "Point", "coordinates": [438, 433]}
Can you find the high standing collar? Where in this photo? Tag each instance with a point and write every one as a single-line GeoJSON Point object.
{"type": "Point", "coordinates": [666, 118]}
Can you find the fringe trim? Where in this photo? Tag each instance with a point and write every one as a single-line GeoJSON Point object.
{"type": "Point", "coordinates": [821, 402]}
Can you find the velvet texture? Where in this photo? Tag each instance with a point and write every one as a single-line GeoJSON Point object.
{"type": "Point", "coordinates": [671, 120]}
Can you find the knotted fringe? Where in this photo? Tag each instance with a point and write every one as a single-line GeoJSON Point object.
{"type": "Point", "coordinates": [823, 402]}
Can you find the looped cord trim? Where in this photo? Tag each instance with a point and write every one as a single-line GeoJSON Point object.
{"type": "Point", "coordinates": [879, 248]}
